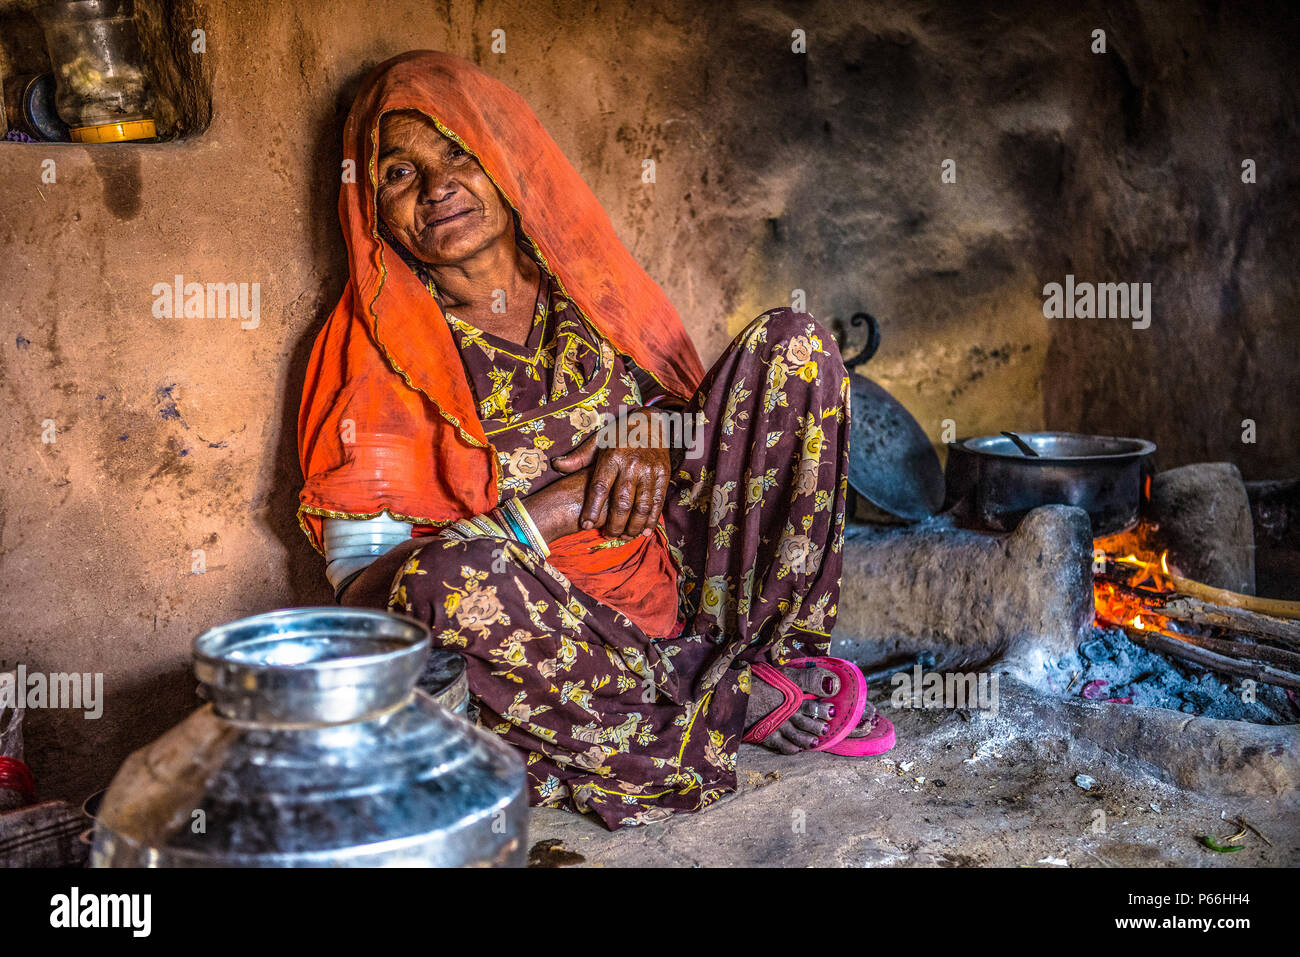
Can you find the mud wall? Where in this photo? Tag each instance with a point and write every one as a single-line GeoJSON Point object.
{"type": "Point", "coordinates": [165, 502]}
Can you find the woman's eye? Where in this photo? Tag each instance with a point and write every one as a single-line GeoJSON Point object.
{"type": "Point", "coordinates": [395, 173]}
{"type": "Point", "coordinates": [457, 153]}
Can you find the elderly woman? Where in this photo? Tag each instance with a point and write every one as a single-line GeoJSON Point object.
{"type": "Point", "coordinates": [614, 598]}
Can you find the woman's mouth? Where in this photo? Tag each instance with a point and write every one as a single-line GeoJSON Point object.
{"type": "Point", "coordinates": [448, 218]}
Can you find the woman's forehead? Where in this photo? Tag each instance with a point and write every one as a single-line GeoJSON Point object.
{"type": "Point", "coordinates": [409, 126]}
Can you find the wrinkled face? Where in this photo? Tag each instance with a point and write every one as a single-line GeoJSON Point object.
{"type": "Point", "coordinates": [435, 197]}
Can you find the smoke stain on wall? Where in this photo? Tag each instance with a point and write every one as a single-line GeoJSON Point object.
{"type": "Point", "coordinates": [118, 168]}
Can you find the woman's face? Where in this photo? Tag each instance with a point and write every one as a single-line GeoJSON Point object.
{"type": "Point", "coordinates": [435, 197]}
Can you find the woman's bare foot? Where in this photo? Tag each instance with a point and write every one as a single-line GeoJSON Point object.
{"type": "Point", "coordinates": [803, 729]}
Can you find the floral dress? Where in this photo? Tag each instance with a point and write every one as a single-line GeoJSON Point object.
{"type": "Point", "coordinates": [624, 702]}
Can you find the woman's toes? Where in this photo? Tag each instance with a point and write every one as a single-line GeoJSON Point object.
{"type": "Point", "coordinates": [813, 726]}
{"type": "Point", "coordinates": [802, 739]}
{"type": "Point", "coordinates": [818, 709]}
{"type": "Point", "coordinates": [818, 681]}
{"type": "Point", "coordinates": [780, 743]}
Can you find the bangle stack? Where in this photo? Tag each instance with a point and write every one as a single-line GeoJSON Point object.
{"type": "Point", "coordinates": [508, 520]}
{"type": "Point", "coordinates": [521, 525]}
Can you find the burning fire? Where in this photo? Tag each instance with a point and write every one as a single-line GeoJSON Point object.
{"type": "Point", "coordinates": [1125, 572]}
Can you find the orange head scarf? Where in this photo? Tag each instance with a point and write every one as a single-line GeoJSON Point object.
{"type": "Point", "coordinates": [388, 420]}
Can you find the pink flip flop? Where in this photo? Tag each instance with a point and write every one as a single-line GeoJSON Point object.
{"type": "Point", "coordinates": [878, 740]}
{"type": "Point", "coordinates": [850, 701]}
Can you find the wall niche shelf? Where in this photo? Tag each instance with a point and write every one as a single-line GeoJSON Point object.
{"type": "Point", "coordinates": [173, 57]}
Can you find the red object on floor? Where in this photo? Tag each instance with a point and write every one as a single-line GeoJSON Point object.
{"type": "Point", "coordinates": [1094, 689]}
{"type": "Point", "coordinates": [15, 775]}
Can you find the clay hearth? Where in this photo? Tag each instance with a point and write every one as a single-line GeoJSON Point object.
{"type": "Point", "coordinates": [968, 597]}
{"type": "Point", "coordinates": [1019, 605]}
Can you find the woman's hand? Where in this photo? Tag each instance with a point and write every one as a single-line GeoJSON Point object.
{"type": "Point", "coordinates": [557, 508]}
{"type": "Point", "coordinates": [627, 484]}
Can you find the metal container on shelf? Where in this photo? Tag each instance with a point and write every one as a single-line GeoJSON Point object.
{"type": "Point", "coordinates": [317, 750]}
{"type": "Point", "coordinates": [103, 89]}
{"type": "Point", "coordinates": [29, 106]}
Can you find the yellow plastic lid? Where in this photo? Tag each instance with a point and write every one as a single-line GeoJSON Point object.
{"type": "Point", "coordinates": [114, 132]}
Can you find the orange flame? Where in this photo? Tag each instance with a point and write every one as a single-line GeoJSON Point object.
{"type": "Point", "coordinates": [1143, 569]}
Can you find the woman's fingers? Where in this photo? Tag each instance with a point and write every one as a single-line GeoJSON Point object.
{"type": "Point", "coordinates": [603, 477]}
{"type": "Point", "coordinates": [644, 509]}
{"type": "Point", "coordinates": [622, 499]}
{"type": "Point", "coordinates": [624, 496]}
{"type": "Point", "coordinates": [657, 504]}
{"type": "Point", "coordinates": [579, 458]}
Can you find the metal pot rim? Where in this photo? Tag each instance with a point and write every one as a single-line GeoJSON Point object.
{"type": "Point", "coordinates": [340, 687]}
{"type": "Point", "coordinates": [208, 647]}
{"type": "Point", "coordinates": [979, 445]}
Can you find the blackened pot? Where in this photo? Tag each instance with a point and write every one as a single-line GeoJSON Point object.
{"type": "Point", "coordinates": [992, 484]}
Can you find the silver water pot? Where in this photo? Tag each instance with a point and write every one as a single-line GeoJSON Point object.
{"type": "Point", "coordinates": [316, 750]}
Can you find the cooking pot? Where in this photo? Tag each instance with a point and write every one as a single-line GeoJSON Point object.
{"type": "Point", "coordinates": [993, 483]}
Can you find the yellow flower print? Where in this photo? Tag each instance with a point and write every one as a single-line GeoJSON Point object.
{"type": "Point", "coordinates": [498, 401]}
{"type": "Point", "coordinates": [521, 712]}
{"type": "Point", "coordinates": [577, 692]}
{"type": "Point", "coordinates": [756, 333]}
{"type": "Point", "coordinates": [746, 591]}
{"type": "Point", "coordinates": [757, 486]}
{"type": "Point", "coordinates": [805, 479]}
{"type": "Point", "coordinates": [729, 416]}
{"type": "Point", "coordinates": [480, 609]}
{"type": "Point", "coordinates": [583, 419]}
{"type": "Point", "coordinates": [720, 503]}
{"type": "Point", "coordinates": [715, 593]}
{"type": "Point", "coordinates": [715, 752]}
{"type": "Point", "coordinates": [571, 614]}
{"type": "Point", "coordinates": [512, 650]}
{"type": "Point", "coordinates": [777, 373]}
{"type": "Point", "coordinates": [813, 439]}
{"type": "Point", "coordinates": [450, 637]}
{"type": "Point", "coordinates": [525, 463]}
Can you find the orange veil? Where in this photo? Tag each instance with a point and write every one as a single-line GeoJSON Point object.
{"type": "Point", "coordinates": [388, 421]}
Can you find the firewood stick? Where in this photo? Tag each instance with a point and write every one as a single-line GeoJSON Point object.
{"type": "Point", "coordinates": [1237, 620]}
{"type": "Point", "coordinates": [1209, 659]}
{"type": "Point", "coordinates": [1195, 611]}
{"type": "Point", "coordinates": [1248, 650]}
{"type": "Point", "coordinates": [1234, 599]}
{"type": "Point", "coordinates": [1118, 570]}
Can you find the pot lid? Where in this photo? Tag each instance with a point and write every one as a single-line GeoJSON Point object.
{"type": "Point", "coordinates": [891, 461]}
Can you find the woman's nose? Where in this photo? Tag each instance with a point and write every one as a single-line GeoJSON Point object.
{"type": "Point", "coordinates": [435, 185]}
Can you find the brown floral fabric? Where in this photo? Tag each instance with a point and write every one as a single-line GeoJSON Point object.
{"type": "Point", "coordinates": [542, 400]}
{"type": "Point", "coordinates": [611, 720]}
